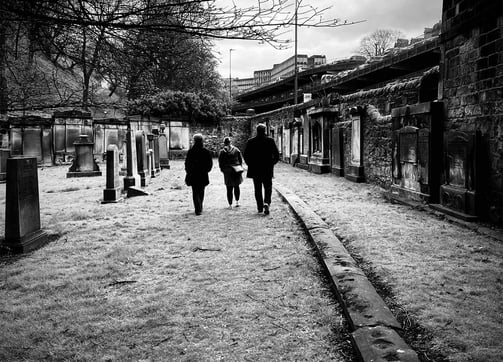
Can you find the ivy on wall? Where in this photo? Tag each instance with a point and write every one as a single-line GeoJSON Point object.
{"type": "Point", "coordinates": [197, 107]}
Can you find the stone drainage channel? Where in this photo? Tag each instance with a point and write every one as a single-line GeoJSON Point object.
{"type": "Point", "coordinates": [374, 328]}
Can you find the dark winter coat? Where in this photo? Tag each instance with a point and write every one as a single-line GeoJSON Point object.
{"type": "Point", "coordinates": [197, 165]}
{"type": "Point", "coordinates": [230, 156]}
{"type": "Point", "coordinates": [261, 154]}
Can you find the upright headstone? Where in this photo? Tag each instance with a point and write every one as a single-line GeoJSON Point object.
{"type": "Point", "coordinates": [163, 149]}
{"type": "Point", "coordinates": [112, 193]}
{"type": "Point", "coordinates": [84, 164]}
{"type": "Point", "coordinates": [154, 171]}
{"type": "Point", "coordinates": [132, 178]}
{"type": "Point", "coordinates": [460, 195]}
{"type": "Point", "coordinates": [4, 155]}
{"type": "Point", "coordinates": [157, 161]}
{"type": "Point", "coordinates": [22, 207]}
{"type": "Point", "coordinates": [142, 158]}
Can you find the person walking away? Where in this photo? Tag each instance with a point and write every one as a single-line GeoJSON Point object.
{"type": "Point", "coordinates": [230, 162]}
{"type": "Point", "coordinates": [198, 164]}
{"type": "Point", "coordinates": [261, 154]}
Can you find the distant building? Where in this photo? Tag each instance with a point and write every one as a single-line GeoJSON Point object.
{"type": "Point", "coordinates": [262, 77]}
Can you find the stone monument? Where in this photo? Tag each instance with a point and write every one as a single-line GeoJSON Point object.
{"type": "Point", "coordinates": [112, 193]}
{"type": "Point", "coordinates": [322, 118]}
{"type": "Point", "coordinates": [460, 195]}
{"type": "Point", "coordinates": [22, 207]}
{"type": "Point", "coordinates": [84, 164]}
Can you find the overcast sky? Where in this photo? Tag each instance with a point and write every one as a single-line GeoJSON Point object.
{"type": "Point", "coordinates": [408, 16]}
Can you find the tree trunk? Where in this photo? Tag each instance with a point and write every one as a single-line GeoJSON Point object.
{"type": "Point", "coordinates": [3, 60]}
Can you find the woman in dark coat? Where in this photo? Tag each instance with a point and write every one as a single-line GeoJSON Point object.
{"type": "Point", "coordinates": [197, 165]}
{"type": "Point", "coordinates": [229, 159]}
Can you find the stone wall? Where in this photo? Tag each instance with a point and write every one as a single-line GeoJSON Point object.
{"type": "Point", "coordinates": [472, 83]}
{"type": "Point", "coordinates": [376, 105]}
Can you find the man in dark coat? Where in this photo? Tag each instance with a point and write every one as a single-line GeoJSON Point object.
{"type": "Point", "coordinates": [197, 165]}
{"type": "Point", "coordinates": [261, 154]}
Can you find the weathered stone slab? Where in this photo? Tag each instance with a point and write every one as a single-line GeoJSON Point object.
{"type": "Point", "coordinates": [381, 344]}
{"type": "Point", "coordinates": [134, 191]}
{"type": "Point", "coordinates": [22, 207]}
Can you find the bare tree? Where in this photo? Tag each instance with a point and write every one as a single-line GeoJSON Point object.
{"type": "Point", "coordinates": [378, 42]}
{"type": "Point", "coordinates": [85, 34]}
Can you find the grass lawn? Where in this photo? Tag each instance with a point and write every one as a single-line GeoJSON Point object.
{"type": "Point", "coordinates": [146, 279]}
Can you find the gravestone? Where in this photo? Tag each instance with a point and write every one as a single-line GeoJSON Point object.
{"type": "Point", "coordinates": [142, 158]}
{"type": "Point", "coordinates": [4, 155]}
{"type": "Point", "coordinates": [84, 164]}
{"type": "Point", "coordinates": [416, 152]}
{"type": "Point", "coordinates": [163, 151]}
{"type": "Point", "coordinates": [460, 194]}
{"type": "Point", "coordinates": [154, 162]}
{"type": "Point", "coordinates": [355, 171]}
{"type": "Point", "coordinates": [22, 207]}
{"type": "Point", "coordinates": [132, 178]}
{"type": "Point", "coordinates": [112, 193]}
{"type": "Point", "coordinates": [157, 160]}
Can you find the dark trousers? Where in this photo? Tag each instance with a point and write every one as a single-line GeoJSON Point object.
{"type": "Point", "coordinates": [236, 191]}
{"type": "Point", "coordinates": [198, 198]}
{"type": "Point", "coordinates": [266, 199]}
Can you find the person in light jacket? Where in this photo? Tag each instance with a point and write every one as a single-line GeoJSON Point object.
{"type": "Point", "coordinates": [230, 162]}
{"type": "Point", "coordinates": [261, 154]}
{"type": "Point", "coordinates": [198, 164]}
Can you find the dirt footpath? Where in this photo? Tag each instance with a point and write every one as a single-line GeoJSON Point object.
{"type": "Point", "coordinates": [146, 279]}
{"type": "Point", "coordinates": [443, 281]}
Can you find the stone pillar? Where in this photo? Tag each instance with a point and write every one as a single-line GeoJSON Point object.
{"type": "Point", "coordinates": [22, 207]}
{"type": "Point", "coordinates": [337, 156]}
{"type": "Point", "coordinates": [132, 179]}
{"type": "Point", "coordinates": [150, 160]}
{"type": "Point", "coordinates": [83, 164]}
{"type": "Point", "coordinates": [112, 193]}
{"type": "Point", "coordinates": [4, 155]}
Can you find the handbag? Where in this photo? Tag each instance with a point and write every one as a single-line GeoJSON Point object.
{"type": "Point", "coordinates": [238, 168]}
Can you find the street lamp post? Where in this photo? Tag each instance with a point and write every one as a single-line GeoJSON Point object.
{"type": "Point", "coordinates": [295, 78]}
{"type": "Point", "coordinates": [230, 73]}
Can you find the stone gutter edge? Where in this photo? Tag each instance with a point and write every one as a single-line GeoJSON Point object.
{"type": "Point", "coordinates": [374, 328]}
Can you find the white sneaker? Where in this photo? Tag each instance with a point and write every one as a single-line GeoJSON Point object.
{"type": "Point", "coordinates": [230, 206]}
{"type": "Point", "coordinates": [237, 204]}
{"type": "Point", "coordinates": [266, 209]}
